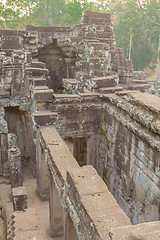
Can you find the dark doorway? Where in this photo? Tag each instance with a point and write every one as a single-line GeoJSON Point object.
{"type": "Point", "coordinates": [54, 59]}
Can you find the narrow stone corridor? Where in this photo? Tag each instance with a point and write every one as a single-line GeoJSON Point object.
{"type": "Point", "coordinates": [33, 201]}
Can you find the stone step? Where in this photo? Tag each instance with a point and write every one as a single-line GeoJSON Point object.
{"type": "Point", "coordinates": [66, 98]}
{"type": "Point", "coordinates": [125, 92]}
{"type": "Point", "coordinates": [39, 81]}
{"type": "Point", "coordinates": [36, 71]}
{"type": "Point", "coordinates": [110, 89]}
{"type": "Point", "coordinates": [105, 34]}
{"type": "Point", "coordinates": [81, 76]}
{"type": "Point", "coordinates": [4, 94]}
{"type": "Point", "coordinates": [107, 40]}
{"type": "Point", "coordinates": [84, 65]}
{"type": "Point", "coordinates": [140, 87]}
{"type": "Point", "coordinates": [91, 41]}
{"type": "Point", "coordinates": [135, 81]}
{"type": "Point", "coordinates": [99, 45]}
{"type": "Point", "coordinates": [45, 118]}
{"type": "Point", "coordinates": [102, 82]}
{"type": "Point", "coordinates": [37, 64]}
{"type": "Point", "coordinates": [76, 39]}
{"type": "Point", "coordinates": [98, 60]}
{"type": "Point", "coordinates": [69, 83]}
{"type": "Point", "coordinates": [41, 87]}
{"type": "Point", "coordinates": [43, 95]}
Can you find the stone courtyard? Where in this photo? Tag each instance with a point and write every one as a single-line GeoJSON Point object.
{"type": "Point", "coordinates": [79, 136]}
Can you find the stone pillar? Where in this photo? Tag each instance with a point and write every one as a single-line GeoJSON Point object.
{"type": "Point", "coordinates": [91, 151]}
{"type": "Point", "coordinates": [14, 157]}
{"type": "Point", "coordinates": [19, 198]}
{"type": "Point", "coordinates": [18, 75]}
{"type": "Point", "coordinates": [70, 231]}
{"type": "Point", "coordinates": [80, 150]}
{"type": "Point", "coordinates": [56, 211]}
{"type": "Point", "coordinates": [42, 173]}
{"type": "Point", "coordinates": [4, 165]}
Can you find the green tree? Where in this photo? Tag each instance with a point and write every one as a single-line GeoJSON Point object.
{"type": "Point", "coordinates": [16, 14]}
{"type": "Point", "coordinates": [151, 19]}
{"type": "Point", "coordinates": [133, 21]}
{"type": "Point", "coordinates": [60, 12]}
{"type": "Point", "coordinates": [49, 12]}
{"type": "Point", "coordinates": [75, 9]}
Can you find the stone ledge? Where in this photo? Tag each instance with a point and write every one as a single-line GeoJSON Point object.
{"type": "Point", "coordinates": [145, 231]}
{"type": "Point", "coordinates": [146, 100]}
{"type": "Point", "coordinates": [94, 204]}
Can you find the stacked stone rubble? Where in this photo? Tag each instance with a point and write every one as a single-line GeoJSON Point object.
{"type": "Point", "coordinates": [88, 50]}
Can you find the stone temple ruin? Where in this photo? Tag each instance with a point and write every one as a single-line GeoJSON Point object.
{"type": "Point", "coordinates": [72, 110]}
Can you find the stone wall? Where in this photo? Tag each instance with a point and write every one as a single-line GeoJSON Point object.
{"type": "Point", "coordinates": [81, 207]}
{"type": "Point", "coordinates": [129, 154]}
{"type": "Point", "coordinates": [84, 206]}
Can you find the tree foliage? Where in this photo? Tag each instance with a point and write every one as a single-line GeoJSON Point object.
{"type": "Point", "coordinates": [16, 14]}
{"type": "Point", "coordinates": [75, 9]}
{"type": "Point", "coordinates": [138, 20]}
{"type": "Point", "coordinates": [142, 20]}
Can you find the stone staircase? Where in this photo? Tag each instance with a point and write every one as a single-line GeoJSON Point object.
{"type": "Point", "coordinates": [107, 84]}
{"type": "Point", "coordinates": [140, 85]}
{"type": "Point", "coordinates": [41, 95]}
